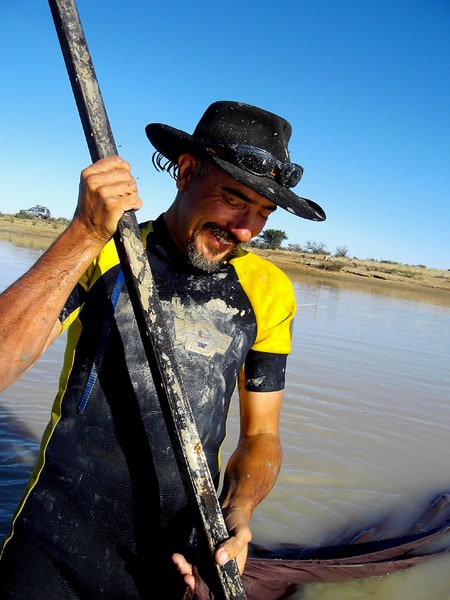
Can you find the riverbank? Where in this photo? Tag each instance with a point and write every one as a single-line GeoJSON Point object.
{"type": "Point", "coordinates": [30, 233]}
{"type": "Point", "coordinates": [39, 234]}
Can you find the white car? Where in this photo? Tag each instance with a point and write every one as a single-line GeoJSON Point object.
{"type": "Point", "coordinates": [38, 211]}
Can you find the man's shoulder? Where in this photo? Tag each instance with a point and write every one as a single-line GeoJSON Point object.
{"type": "Point", "coordinates": [247, 261]}
{"type": "Point", "coordinates": [271, 294]}
{"type": "Point", "coordinates": [255, 261]}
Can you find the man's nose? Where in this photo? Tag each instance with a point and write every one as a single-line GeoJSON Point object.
{"type": "Point", "coordinates": [242, 234]}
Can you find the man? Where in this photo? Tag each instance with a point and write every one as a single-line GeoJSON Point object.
{"type": "Point", "coordinates": [105, 514]}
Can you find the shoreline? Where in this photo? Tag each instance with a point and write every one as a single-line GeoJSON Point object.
{"type": "Point", "coordinates": [337, 271]}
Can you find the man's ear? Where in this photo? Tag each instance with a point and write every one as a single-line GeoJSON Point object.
{"type": "Point", "coordinates": [186, 169]}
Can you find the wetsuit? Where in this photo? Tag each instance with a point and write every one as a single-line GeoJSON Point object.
{"type": "Point", "coordinates": [105, 507]}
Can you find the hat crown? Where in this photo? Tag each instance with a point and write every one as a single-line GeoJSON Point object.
{"type": "Point", "coordinates": [238, 123]}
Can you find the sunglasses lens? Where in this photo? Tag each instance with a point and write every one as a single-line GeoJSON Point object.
{"type": "Point", "coordinates": [260, 162]}
{"type": "Point", "coordinates": [290, 174]}
{"type": "Point", "coordinates": [255, 160]}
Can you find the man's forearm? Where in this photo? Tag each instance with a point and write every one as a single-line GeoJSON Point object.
{"type": "Point", "coordinates": [251, 472]}
{"type": "Point", "coordinates": [29, 308]}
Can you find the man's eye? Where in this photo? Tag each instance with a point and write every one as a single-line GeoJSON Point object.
{"type": "Point", "coordinates": [233, 202]}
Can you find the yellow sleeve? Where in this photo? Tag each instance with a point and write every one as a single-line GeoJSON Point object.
{"type": "Point", "coordinates": [271, 295]}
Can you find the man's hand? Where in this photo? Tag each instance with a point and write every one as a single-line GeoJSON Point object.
{"type": "Point", "coordinates": [236, 546]}
{"type": "Point", "coordinates": [107, 190]}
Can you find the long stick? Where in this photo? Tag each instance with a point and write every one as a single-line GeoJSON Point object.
{"type": "Point", "coordinates": [147, 306]}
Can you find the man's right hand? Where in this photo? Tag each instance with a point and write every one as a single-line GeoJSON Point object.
{"type": "Point", "coordinates": [107, 190]}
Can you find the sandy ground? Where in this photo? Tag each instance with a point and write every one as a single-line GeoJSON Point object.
{"type": "Point", "coordinates": [335, 270]}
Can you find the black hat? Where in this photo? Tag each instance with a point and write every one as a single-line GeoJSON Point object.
{"type": "Point", "coordinates": [248, 143]}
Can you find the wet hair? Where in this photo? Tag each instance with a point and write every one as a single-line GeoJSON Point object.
{"type": "Point", "coordinates": [161, 163]}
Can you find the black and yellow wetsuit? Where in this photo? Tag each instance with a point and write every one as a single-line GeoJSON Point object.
{"type": "Point", "coordinates": [105, 507]}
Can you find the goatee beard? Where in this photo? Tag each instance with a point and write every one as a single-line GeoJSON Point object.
{"type": "Point", "coordinates": [196, 259]}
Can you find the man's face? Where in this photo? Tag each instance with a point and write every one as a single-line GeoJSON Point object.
{"type": "Point", "coordinates": [213, 214]}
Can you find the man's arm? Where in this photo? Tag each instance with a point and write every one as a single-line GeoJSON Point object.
{"type": "Point", "coordinates": [252, 469]}
{"type": "Point", "coordinates": [30, 307]}
{"type": "Point", "coordinates": [250, 474]}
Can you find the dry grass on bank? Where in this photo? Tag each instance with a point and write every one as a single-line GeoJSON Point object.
{"type": "Point", "coordinates": [370, 271]}
{"type": "Point", "coordinates": [30, 233]}
{"type": "Point", "coordinates": [38, 233]}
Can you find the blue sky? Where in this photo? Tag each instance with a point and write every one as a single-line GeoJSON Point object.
{"type": "Point", "coordinates": [365, 85]}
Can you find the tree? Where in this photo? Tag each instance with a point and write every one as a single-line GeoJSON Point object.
{"type": "Point", "coordinates": [272, 238]}
{"type": "Point", "coordinates": [341, 251]}
{"type": "Point", "coordinates": [294, 248]}
{"type": "Point", "coordinates": [315, 247]}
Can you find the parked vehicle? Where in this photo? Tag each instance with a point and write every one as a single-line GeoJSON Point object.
{"type": "Point", "coordinates": [38, 211]}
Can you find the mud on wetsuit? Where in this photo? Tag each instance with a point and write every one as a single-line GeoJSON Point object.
{"type": "Point", "coordinates": [105, 507]}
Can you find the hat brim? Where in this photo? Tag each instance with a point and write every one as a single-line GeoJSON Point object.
{"type": "Point", "coordinates": [171, 142]}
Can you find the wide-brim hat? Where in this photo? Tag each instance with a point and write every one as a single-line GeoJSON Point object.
{"type": "Point", "coordinates": [224, 129]}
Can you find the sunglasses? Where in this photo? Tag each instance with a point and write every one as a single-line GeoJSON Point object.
{"type": "Point", "coordinates": [259, 162]}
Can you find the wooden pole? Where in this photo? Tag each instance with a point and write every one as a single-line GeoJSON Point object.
{"type": "Point", "coordinates": [147, 307]}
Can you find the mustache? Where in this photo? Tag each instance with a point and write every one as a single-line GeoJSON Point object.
{"type": "Point", "coordinates": [222, 234]}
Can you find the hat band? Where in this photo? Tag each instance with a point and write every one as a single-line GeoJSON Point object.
{"type": "Point", "coordinates": [257, 161]}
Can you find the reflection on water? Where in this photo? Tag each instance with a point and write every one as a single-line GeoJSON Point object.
{"type": "Point", "coordinates": [365, 425]}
